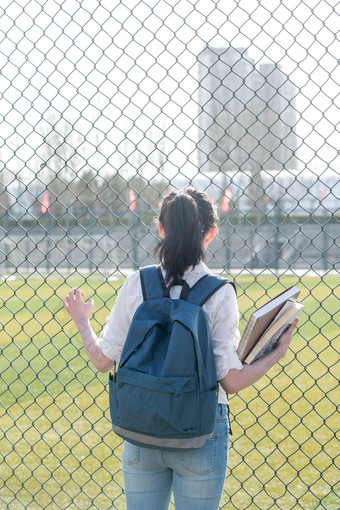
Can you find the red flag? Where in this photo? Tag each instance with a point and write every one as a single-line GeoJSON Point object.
{"type": "Point", "coordinates": [45, 203]}
{"type": "Point", "coordinates": [228, 195]}
{"type": "Point", "coordinates": [322, 197]}
{"type": "Point", "coordinates": [132, 200]}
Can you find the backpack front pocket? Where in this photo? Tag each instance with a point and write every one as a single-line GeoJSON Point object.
{"type": "Point", "coordinates": [161, 407]}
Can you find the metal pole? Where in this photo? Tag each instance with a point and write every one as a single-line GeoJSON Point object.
{"type": "Point", "coordinates": [133, 234]}
{"type": "Point", "coordinates": [226, 236]}
{"type": "Point", "coordinates": [48, 225]}
{"type": "Point", "coordinates": [277, 217]}
{"type": "Point", "coordinates": [4, 241]}
{"type": "Point", "coordinates": [324, 239]}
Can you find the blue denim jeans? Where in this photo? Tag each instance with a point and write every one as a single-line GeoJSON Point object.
{"type": "Point", "coordinates": [196, 477]}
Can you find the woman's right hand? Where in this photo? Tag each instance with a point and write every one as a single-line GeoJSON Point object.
{"type": "Point", "coordinates": [285, 339]}
{"type": "Point", "coordinates": [76, 307]}
{"type": "Point", "coordinates": [237, 380]}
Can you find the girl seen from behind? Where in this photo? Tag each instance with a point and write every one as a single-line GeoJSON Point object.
{"type": "Point", "coordinates": [187, 224]}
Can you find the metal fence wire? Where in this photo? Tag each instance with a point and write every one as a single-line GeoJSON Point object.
{"type": "Point", "coordinates": [107, 105]}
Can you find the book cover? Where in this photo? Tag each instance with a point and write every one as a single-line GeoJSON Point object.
{"type": "Point", "coordinates": [270, 337]}
{"type": "Point", "coordinates": [261, 319]}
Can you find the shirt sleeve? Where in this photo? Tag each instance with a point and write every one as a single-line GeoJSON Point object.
{"type": "Point", "coordinates": [117, 325]}
{"type": "Point", "coordinates": [224, 331]}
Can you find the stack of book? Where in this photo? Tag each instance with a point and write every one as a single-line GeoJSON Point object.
{"type": "Point", "coordinates": [267, 324]}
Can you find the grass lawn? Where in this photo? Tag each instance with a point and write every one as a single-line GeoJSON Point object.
{"type": "Point", "coordinates": [57, 446]}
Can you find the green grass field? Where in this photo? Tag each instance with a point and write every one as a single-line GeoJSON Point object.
{"type": "Point", "coordinates": [57, 447]}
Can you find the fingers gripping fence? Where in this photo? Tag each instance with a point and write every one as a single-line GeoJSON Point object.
{"type": "Point", "coordinates": [104, 107]}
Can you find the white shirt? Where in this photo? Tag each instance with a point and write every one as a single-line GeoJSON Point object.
{"type": "Point", "coordinates": [221, 310]}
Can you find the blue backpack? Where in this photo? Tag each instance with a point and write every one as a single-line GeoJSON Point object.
{"type": "Point", "coordinates": [164, 394]}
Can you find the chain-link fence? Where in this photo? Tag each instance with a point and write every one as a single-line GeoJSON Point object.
{"type": "Point", "coordinates": [104, 107]}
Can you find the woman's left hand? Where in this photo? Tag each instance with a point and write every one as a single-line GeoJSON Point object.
{"type": "Point", "coordinates": [76, 307]}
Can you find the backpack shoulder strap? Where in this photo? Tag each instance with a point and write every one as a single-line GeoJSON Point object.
{"type": "Point", "coordinates": [206, 287]}
{"type": "Point", "coordinates": [152, 282]}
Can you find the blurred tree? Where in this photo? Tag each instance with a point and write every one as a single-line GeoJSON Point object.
{"type": "Point", "coordinates": [59, 152]}
{"type": "Point", "coordinates": [85, 188]}
{"type": "Point", "coordinates": [256, 192]}
{"type": "Point", "coordinates": [112, 195]}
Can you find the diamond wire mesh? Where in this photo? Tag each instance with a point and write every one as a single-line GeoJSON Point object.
{"type": "Point", "coordinates": [105, 106]}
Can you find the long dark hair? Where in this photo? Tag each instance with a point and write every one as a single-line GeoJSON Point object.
{"type": "Point", "coordinates": [186, 217]}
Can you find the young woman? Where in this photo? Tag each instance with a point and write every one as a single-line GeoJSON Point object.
{"type": "Point", "coordinates": [187, 224]}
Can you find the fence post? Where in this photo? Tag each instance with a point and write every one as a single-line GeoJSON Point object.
{"type": "Point", "coordinates": [277, 219]}
{"type": "Point", "coordinates": [134, 240]}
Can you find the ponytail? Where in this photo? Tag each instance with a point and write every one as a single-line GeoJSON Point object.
{"type": "Point", "coordinates": [186, 216]}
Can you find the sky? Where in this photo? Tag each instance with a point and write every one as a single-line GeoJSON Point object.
{"type": "Point", "coordinates": [122, 76]}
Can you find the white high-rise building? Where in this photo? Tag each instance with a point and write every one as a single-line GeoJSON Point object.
{"type": "Point", "coordinates": [247, 113]}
